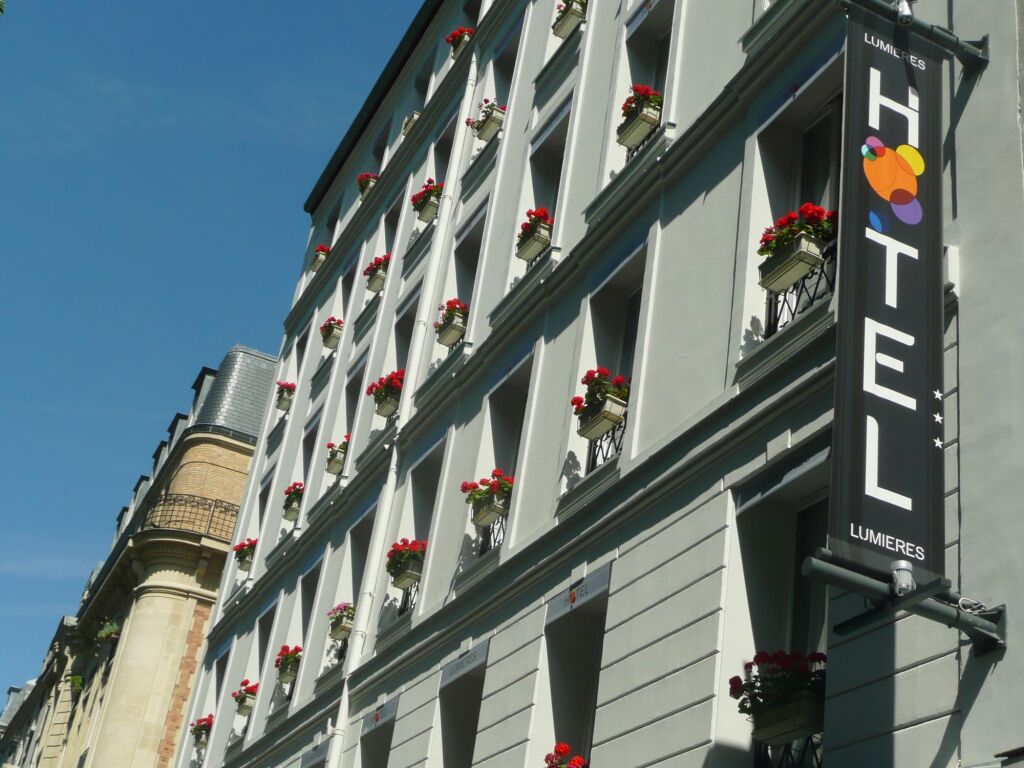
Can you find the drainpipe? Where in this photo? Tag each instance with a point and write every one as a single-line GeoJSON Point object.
{"type": "Point", "coordinates": [424, 323]}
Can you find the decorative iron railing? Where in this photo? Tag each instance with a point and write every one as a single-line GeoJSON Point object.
{"type": "Point", "coordinates": [805, 753]}
{"type": "Point", "coordinates": [606, 447]}
{"type": "Point", "coordinates": [782, 308]}
{"type": "Point", "coordinates": [409, 595]}
{"type": "Point", "coordinates": [492, 536]}
{"type": "Point", "coordinates": [198, 514]}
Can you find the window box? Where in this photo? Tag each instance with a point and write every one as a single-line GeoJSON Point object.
{"type": "Point", "coordinates": [366, 182]}
{"type": "Point", "coordinates": [199, 740]}
{"type": "Point", "coordinates": [245, 561]}
{"type": "Point", "coordinates": [341, 628]}
{"type": "Point", "coordinates": [318, 261]}
{"type": "Point", "coordinates": [331, 332]}
{"type": "Point", "coordinates": [635, 130]}
{"type": "Point", "coordinates": [427, 212]}
{"type": "Point", "coordinates": [375, 282]}
{"type": "Point", "coordinates": [244, 703]}
{"type": "Point", "coordinates": [488, 128]}
{"type": "Point", "coordinates": [387, 406]}
{"type": "Point", "coordinates": [489, 511]}
{"type": "Point", "coordinates": [569, 18]}
{"type": "Point", "coordinates": [284, 400]}
{"type": "Point", "coordinates": [451, 331]}
{"type": "Point", "coordinates": [613, 412]}
{"type": "Point", "coordinates": [797, 718]}
{"type": "Point", "coordinates": [291, 509]}
{"type": "Point", "coordinates": [288, 671]}
{"type": "Point", "coordinates": [410, 574]}
{"type": "Point", "coordinates": [336, 460]}
{"type": "Point", "coordinates": [459, 43]}
{"type": "Point", "coordinates": [409, 122]}
{"type": "Point", "coordinates": [791, 263]}
{"type": "Point", "coordinates": [534, 245]}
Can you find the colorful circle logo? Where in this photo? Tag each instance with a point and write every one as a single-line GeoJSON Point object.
{"type": "Point", "coordinates": [892, 174]}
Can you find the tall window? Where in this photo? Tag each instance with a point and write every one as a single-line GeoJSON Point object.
{"type": "Point", "coordinates": [820, 153]}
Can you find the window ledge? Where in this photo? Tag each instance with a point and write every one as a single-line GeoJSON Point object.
{"type": "Point", "coordinates": [329, 678]}
{"type": "Point", "coordinates": [481, 165]}
{"type": "Point", "coordinates": [560, 59]}
{"type": "Point", "coordinates": [283, 548]}
{"type": "Point", "coordinates": [321, 376]}
{"type": "Point", "coordinates": [377, 446]}
{"type": "Point", "coordinates": [394, 630]}
{"type": "Point", "coordinates": [366, 318]}
{"type": "Point", "coordinates": [433, 385]}
{"type": "Point", "coordinates": [775, 351]}
{"type": "Point", "coordinates": [521, 291]}
{"type": "Point", "coordinates": [416, 249]}
{"type": "Point", "coordinates": [475, 571]}
{"type": "Point", "coordinates": [611, 201]}
{"type": "Point", "coordinates": [773, 24]}
{"type": "Point", "coordinates": [276, 434]}
{"type": "Point", "coordinates": [588, 490]}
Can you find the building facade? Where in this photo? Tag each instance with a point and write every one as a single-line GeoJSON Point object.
{"type": "Point", "coordinates": [638, 566]}
{"type": "Point", "coordinates": [116, 679]}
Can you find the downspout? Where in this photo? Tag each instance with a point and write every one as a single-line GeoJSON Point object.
{"type": "Point", "coordinates": [424, 323]}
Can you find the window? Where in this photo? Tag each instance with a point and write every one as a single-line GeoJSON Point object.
{"type": "Point", "coordinates": [421, 85]}
{"type": "Point", "coordinates": [820, 153]}
{"type": "Point", "coordinates": [391, 226]}
{"type": "Point", "coordinates": [264, 627]}
{"type": "Point", "coordinates": [380, 146]}
{"type": "Point", "coordinates": [574, 642]}
{"type": "Point", "coordinates": [375, 746]}
{"type": "Point", "coordinates": [424, 480]}
{"type": "Point", "coordinates": [219, 673]}
{"type": "Point", "coordinates": [546, 159]}
{"type": "Point", "coordinates": [264, 500]}
{"type": "Point", "coordinates": [300, 352]}
{"type": "Point", "coordinates": [648, 45]}
{"type": "Point", "coordinates": [307, 597]}
{"type": "Point", "coordinates": [505, 65]}
{"type": "Point", "coordinates": [346, 293]}
{"type": "Point", "coordinates": [443, 152]}
{"type": "Point", "coordinates": [459, 703]}
{"type": "Point", "coordinates": [309, 449]}
{"type": "Point", "coordinates": [403, 334]}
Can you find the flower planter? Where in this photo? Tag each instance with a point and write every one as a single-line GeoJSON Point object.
{"type": "Point", "coordinates": [409, 576]}
{"type": "Point", "coordinates": [341, 629]}
{"type": "Point", "coordinates": [318, 261]}
{"type": "Point", "coordinates": [571, 17]}
{"type": "Point", "coordinates": [798, 718]}
{"type": "Point", "coordinates": [459, 45]}
{"type": "Point", "coordinates": [613, 411]}
{"type": "Point", "coordinates": [284, 400]}
{"type": "Point", "coordinates": [409, 122]}
{"type": "Point", "coordinates": [245, 562]}
{"type": "Point", "coordinates": [365, 189]}
{"type": "Point", "coordinates": [487, 513]}
{"type": "Point", "coordinates": [489, 128]}
{"type": "Point", "coordinates": [387, 406]}
{"type": "Point", "coordinates": [335, 461]}
{"type": "Point", "coordinates": [291, 509]}
{"type": "Point", "coordinates": [791, 263]}
{"type": "Point", "coordinates": [635, 130]}
{"type": "Point", "coordinates": [428, 211]}
{"type": "Point", "coordinates": [451, 331]}
{"type": "Point", "coordinates": [243, 704]}
{"type": "Point", "coordinates": [200, 740]}
{"type": "Point", "coordinates": [287, 672]}
{"type": "Point", "coordinates": [531, 247]}
{"type": "Point", "coordinates": [332, 339]}
{"type": "Point", "coordinates": [376, 281]}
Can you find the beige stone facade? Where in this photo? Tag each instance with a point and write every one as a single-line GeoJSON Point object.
{"type": "Point", "coordinates": [119, 700]}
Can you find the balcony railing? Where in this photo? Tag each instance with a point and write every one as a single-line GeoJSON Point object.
{"type": "Point", "coordinates": [606, 447]}
{"type": "Point", "coordinates": [805, 753]}
{"type": "Point", "coordinates": [492, 536]}
{"type": "Point", "coordinates": [197, 514]}
{"type": "Point", "coordinates": [782, 308]}
{"type": "Point", "coordinates": [409, 595]}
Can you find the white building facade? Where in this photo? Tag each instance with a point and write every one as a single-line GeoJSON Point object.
{"type": "Point", "coordinates": [633, 574]}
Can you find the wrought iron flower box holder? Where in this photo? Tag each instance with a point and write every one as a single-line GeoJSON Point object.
{"type": "Point", "coordinates": [387, 406]}
{"type": "Point", "coordinates": [376, 281]}
{"type": "Point", "coordinates": [791, 263]}
{"type": "Point", "coordinates": [427, 211]}
{"type": "Point", "coordinates": [635, 130]}
{"type": "Point", "coordinates": [291, 508]}
{"type": "Point", "coordinates": [409, 575]}
{"type": "Point", "coordinates": [613, 412]}
{"type": "Point", "coordinates": [288, 671]}
{"type": "Point", "coordinates": [569, 18]}
{"type": "Point", "coordinates": [486, 513]}
{"type": "Point", "coordinates": [333, 337]}
{"type": "Point", "coordinates": [531, 247]}
{"type": "Point", "coordinates": [335, 460]}
{"type": "Point", "coordinates": [284, 400]}
{"type": "Point", "coordinates": [341, 628]}
{"type": "Point", "coordinates": [792, 720]}
{"type": "Point", "coordinates": [451, 330]}
{"type": "Point", "coordinates": [243, 704]}
{"type": "Point", "coordinates": [490, 126]}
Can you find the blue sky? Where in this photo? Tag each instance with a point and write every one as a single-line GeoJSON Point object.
{"type": "Point", "coordinates": [154, 158]}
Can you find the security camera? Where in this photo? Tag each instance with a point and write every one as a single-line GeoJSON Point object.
{"type": "Point", "coordinates": [904, 12]}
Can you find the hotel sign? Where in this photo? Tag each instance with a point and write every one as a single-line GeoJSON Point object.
{"type": "Point", "coordinates": [887, 463]}
{"type": "Point", "coordinates": [580, 593]}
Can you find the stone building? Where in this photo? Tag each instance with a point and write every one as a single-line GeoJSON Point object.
{"type": "Point", "coordinates": [634, 570]}
{"type": "Point", "coordinates": [116, 680]}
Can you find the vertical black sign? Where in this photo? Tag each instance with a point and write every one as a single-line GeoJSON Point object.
{"type": "Point", "coordinates": [887, 458]}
